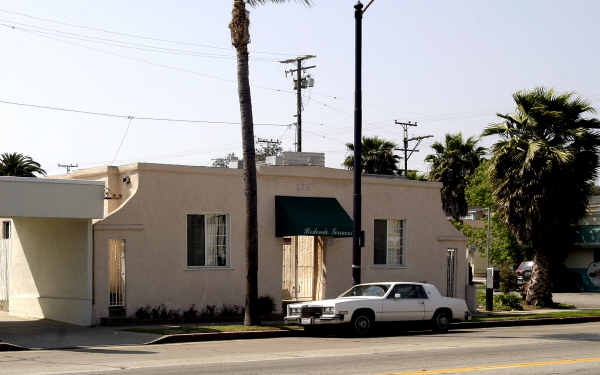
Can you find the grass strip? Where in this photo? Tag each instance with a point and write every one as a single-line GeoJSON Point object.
{"type": "Point", "coordinates": [559, 314]}
{"type": "Point", "coordinates": [174, 329]}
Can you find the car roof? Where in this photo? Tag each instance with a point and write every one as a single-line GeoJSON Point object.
{"type": "Point", "coordinates": [394, 283]}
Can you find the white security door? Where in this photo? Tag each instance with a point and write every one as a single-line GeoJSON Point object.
{"type": "Point", "coordinates": [4, 259]}
{"type": "Point", "coordinates": [451, 273]}
{"type": "Point", "coordinates": [116, 270]}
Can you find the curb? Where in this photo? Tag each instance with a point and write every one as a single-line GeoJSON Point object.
{"type": "Point", "coordinates": [194, 337]}
{"type": "Point", "coordinates": [527, 322]}
{"type": "Point", "coordinates": [8, 347]}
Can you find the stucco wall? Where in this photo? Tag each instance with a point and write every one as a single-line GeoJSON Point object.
{"type": "Point", "coordinates": [153, 223]}
{"type": "Point", "coordinates": [50, 269]}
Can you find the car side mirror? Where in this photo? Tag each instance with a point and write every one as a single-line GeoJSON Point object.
{"type": "Point", "coordinates": [397, 296]}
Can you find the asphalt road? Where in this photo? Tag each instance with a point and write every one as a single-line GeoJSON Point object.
{"type": "Point", "coordinates": [555, 349]}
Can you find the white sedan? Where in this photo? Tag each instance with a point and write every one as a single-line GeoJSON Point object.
{"type": "Point", "coordinates": [365, 304]}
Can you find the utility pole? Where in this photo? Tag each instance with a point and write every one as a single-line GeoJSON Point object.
{"type": "Point", "coordinates": [299, 84]}
{"type": "Point", "coordinates": [68, 167]}
{"type": "Point", "coordinates": [407, 156]}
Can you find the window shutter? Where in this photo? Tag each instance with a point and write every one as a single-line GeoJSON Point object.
{"type": "Point", "coordinates": [380, 243]}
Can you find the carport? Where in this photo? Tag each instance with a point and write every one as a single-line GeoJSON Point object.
{"type": "Point", "coordinates": [46, 247]}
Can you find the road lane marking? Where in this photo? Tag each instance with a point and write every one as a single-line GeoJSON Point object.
{"type": "Point", "coordinates": [497, 367]}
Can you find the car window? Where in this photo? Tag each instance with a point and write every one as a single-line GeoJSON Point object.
{"type": "Point", "coordinates": [374, 290]}
{"type": "Point", "coordinates": [407, 291]}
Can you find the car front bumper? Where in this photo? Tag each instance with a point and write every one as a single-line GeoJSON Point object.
{"type": "Point", "coordinates": [333, 319]}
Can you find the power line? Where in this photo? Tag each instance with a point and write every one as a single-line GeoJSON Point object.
{"type": "Point", "coordinates": [144, 61]}
{"type": "Point", "coordinates": [98, 29]}
{"type": "Point", "coordinates": [122, 139]}
{"type": "Point", "coordinates": [117, 43]}
{"type": "Point", "coordinates": [145, 118]}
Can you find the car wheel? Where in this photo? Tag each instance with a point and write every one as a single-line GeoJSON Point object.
{"type": "Point", "coordinates": [362, 324]}
{"type": "Point", "coordinates": [441, 321]}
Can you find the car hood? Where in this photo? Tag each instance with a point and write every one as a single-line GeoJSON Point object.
{"type": "Point", "coordinates": [332, 302]}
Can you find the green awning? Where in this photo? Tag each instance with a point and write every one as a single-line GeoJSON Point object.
{"type": "Point", "coordinates": [311, 216]}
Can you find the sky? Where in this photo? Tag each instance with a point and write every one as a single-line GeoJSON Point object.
{"type": "Point", "coordinates": [448, 65]}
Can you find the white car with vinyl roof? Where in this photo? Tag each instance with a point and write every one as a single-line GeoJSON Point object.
{"type": "Point", "coordinates": [365, 304]}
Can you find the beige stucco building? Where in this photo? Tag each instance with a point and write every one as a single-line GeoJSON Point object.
{"type": "Point", "coordinates": [174, 235]}
{"type": "Point", "coordinates": [46, 247]}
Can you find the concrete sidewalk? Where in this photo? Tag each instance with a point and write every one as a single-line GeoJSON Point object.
{"type": "Point", "coordinates": [48, 334]}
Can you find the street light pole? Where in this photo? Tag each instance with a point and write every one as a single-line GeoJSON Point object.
{"type": "Point", "coordinates": [357, 204]}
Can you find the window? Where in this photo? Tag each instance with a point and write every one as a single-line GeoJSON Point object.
{"type": "Point", "coordinates": [390, 236]}
{"type": "Point", "coordinates": [367, 290]}
{"type": "Point", "coordinates": [5, 230]}
{"type": "Point", "coordinates": [207, 240]}
{"type": "Point", "coordinates": [596, 255]}
{"type": "Point", "coordinates": [408, 291]}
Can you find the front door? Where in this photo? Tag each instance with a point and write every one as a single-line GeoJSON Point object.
{"type": "Point", "coordinates": [303, 275]}
{"type": "Point", "coordinates": [405, 302]}
{"type": "Point", "coordinates": [116, 285]}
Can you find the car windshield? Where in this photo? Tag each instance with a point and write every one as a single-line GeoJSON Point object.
{"type": "Point", "coordinates": [371, 290]}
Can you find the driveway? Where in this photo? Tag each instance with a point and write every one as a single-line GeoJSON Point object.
{"type": "Point", "coordinates": [49, 334]}
{"type": "Point", "coordinates": [580, 300]}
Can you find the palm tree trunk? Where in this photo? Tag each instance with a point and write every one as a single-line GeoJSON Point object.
{"type": "Point", "coordinates": [539, 290]}
{"type": "Point", "coordinates": [240, 37]}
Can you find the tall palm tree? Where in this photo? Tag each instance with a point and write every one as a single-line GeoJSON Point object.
{"type": "Point", "coordinates": [15, 164]}
{"type": "Point", "coordinates": [377, 156]}
{"type": "Point", "coordinates": [454, 161]}
{"type": "Point", "coordinates": [542, 172]}
{"type": "Point", "coordinates": [240, 37]}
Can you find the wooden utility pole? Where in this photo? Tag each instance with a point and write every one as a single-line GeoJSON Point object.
{"type": "Point", "coordinates": [407, 156]}
{"type": "Point", "coordinates": [299, 84]}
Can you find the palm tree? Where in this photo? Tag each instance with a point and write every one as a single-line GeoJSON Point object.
{"type": "Point", "coordinates": [542, 172]}
{"type": "Point", "coordinates": [454, 161]}
{"type": "Point", "coordinates": [15, 164]}
{"type": "Point", "coordinates": [240, 37]}
{"type": "Point", "coordinates": [377, 156]}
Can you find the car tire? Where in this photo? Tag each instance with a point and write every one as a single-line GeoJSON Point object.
{"type": "Point", "coordinates": [362, 323]}
{"type": "Point", "coordinates": [441, 321]}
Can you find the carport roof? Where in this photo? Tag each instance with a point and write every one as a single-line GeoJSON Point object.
{"type": "Point", "coordinates": [51, 198]}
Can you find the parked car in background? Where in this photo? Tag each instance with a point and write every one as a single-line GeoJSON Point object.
{"type": "Point", "coordinates": [365, 304]}
{"type": "Point", "coordinates": [524, 271]}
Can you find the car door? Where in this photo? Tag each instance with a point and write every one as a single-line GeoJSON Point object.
{"type": "Point", "coordinates": [404, 302]}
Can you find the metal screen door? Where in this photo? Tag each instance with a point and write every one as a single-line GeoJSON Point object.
{"type": "Point", "coordinates": [116, 270]}
{"type": "Point", "coordinates": [451, 272]}
{"type": "Point", "coordinates": [4, 257]}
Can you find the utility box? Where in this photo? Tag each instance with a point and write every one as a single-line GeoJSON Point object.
{"type": "Point", "coordinates": [493, 278]}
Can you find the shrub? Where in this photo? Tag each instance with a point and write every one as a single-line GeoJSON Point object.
{"type": "Point", "coordinates": [174, 315]}
{"type": "Point", "coordinates": [265, 306]}
{"type": "Point", "coordinates": [190, 315]}
{"type": "Point", "coordinates": [143, 313]}
{"type": "Point", "coordinates": [508, 279]}
{"type": "Point", "coordinates": [508, 302]}
{"type": "Point", "coordinates": [209, 313]}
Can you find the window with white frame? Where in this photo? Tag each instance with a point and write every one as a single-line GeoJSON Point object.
{"type": "Point", "coordinates": [207, 240]}
{"type": "Point", "coordinates": [389, 240]}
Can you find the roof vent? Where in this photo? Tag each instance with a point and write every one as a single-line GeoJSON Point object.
{"type": "Point", "coordinates": [298, 158]}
